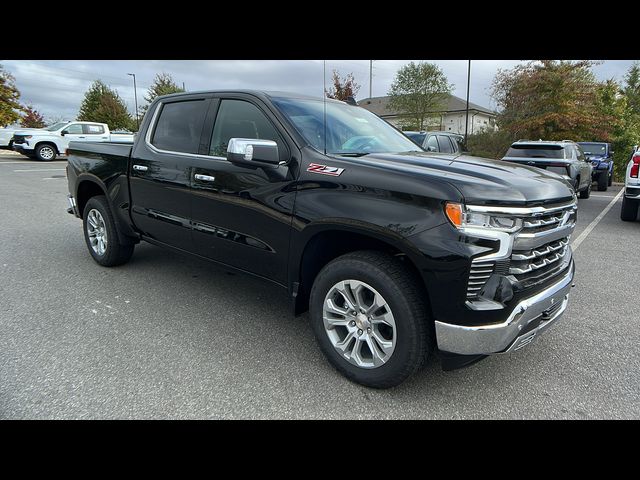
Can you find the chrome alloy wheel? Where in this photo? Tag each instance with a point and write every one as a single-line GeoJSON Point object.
{"type": "Point", "coordinates": [97, 231]}
{"type": "Point", "coordinates": [47, 152]}
{"type": "Point", "coordinates": [359, 323]}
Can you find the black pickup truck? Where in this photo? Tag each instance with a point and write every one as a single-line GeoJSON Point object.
{"type": "Point", "coordinates": [397, 253]}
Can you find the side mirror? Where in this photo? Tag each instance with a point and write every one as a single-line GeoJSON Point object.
{"type": "Point", "coordinates": [252, 152]}
{"type": "Point", "coordinates": [431, 148]}
{"type": "Point", "coordinates": [63, 133]}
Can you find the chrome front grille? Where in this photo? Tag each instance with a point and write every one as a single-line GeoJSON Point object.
{"type": "Point", "coordinates": [542, 244]}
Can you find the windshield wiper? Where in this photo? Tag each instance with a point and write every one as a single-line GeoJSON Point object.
{"type": "Point", "coordinates": [350, 154]}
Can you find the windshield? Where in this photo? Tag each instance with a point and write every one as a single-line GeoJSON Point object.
{"type": "Point", "coordinates": [536, 151]}
{"type": "Point", "coordinates": [350, 130]}
{"type": "Point", "coordinates": [594, 148]}
{"type": "Point", "coordinates": [416, 137]}
{"type": "Point", "coordinates": [56, 126]}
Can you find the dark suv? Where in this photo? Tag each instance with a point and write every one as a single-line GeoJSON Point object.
{"type": "Point", "coordinates": [565, 158]}
{"type": "Point", "coordinates": [601, 157]}
{"type": "Point", "coordinates": [443, 142]}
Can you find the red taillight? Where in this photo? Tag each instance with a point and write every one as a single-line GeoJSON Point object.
{"type": "Point", "coordinates": [635, 167]}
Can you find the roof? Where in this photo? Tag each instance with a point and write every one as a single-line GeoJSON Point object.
{"type": "Point", "coordinates": [542, 142]}
{"type": "Point", "coordinates": [380, 106]}
{"type": "Point", "coordinates": [257, 93]}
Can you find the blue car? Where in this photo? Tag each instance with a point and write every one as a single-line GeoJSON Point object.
{"type": "Point", "coordinates": [601, 157]}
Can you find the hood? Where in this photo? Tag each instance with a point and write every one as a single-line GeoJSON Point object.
{"type": "Point", "coordinates": [482, 181]}
{"type": "Point", "coordinates": [29, 131]}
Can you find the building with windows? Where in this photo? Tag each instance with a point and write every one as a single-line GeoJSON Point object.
{"type": "Point", "coordinates": [450, 119]}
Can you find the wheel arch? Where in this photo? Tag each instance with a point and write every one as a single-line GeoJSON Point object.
{"type": "Point", "coordinates": [323, 243]}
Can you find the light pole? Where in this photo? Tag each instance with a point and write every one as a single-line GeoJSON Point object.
{"type": "Point", "coordinates": [135, 96]}
{"type": "Point", "coordinates": [466, 123]}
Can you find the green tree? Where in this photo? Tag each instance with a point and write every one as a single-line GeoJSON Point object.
{"type": "Point", "coordinates": [342, 88]}
{"type": "Point", "coordinates": [32, 118]}
{"type": "Point", "coordinates": [163, 84]}
{"type": "Point", "coordinates": [551, 100]}
{"type": "Point", "coordinates": [417, 92]}
{"type": "Point", "coordinates": [103, 104]}
{"type": "Point", "coordinates": [9, 107]}
{"type": "Point", "coordinates": [631, 89]}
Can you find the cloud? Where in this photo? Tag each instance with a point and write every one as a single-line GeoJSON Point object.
{"type": "Point", "coordinates": [56, 87]}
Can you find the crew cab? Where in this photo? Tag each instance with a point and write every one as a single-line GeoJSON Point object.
{"type": "Point", "coordinates": [45, 144]}
{"type": "Point", "coordinates": [564, 158]}
{"type": "Point", "coordinates": [397, 253]}
{"type": "Point", "coordinates": [601, 157]}
{"type": "Point", "coordinates": [631, 198]}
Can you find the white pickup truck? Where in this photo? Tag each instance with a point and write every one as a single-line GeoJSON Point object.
{"type": "Point", "coordinates": [45, 144]}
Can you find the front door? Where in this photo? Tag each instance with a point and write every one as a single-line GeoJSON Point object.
{"type": "Point", "coordinates": [242, 215]}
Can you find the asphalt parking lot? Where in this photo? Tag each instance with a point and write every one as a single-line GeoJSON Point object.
{"type": "Point", "coordinates": [168, 336]}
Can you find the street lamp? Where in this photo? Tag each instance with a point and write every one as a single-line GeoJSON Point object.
{"type": "Point", "coordinates": [466, 123]}
{"type": "Point", "coordinates": [135, 96]}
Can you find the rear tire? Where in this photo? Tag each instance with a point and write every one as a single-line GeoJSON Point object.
{"type": "Point", "coordinates": [45, 152]}
{"type": "Point", "coordinates": [399, 330]}
{"type": "Point", "coordinates": [629, 212]}
{"type": "Point", "coordinates": [603, 181]}
{"type": "Point", "coordinates": [101, 235]}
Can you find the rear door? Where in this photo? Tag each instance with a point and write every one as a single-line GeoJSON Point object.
{"type": "Point", "coordinates": [160, 170]}
{"type": "Point", "coordinates": [241, 214]}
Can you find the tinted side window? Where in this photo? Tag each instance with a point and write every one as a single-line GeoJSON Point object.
{"type": "Point", "coordinates": [432, 142]}
{"type": "Point", "coordinates": [179, 126]}
{"type": "Point", "coordinates": [75, 129]}
{"type": "Point", "coordinates": [458, 144]}
{"type": "Point", "coordinates": [445, 144]}
{"type": "Point", "coordinates": [240, 119]}
{"type": "Point", "coordinates": [93, 129]}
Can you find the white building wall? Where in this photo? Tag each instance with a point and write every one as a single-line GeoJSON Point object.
{"type": "Point", "coordinates": [454, 122]}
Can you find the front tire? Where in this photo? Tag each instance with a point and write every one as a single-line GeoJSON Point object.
{"type": "Point", "coordinates": [610, 182]}
{"type": "Point", "coordinates": [369, 318]}
{"type": "Point", "coordinates": [45, 152]}
{"type": "Point", "coordinates": [586, 193]}
{"type": "Point", "coordinates": [629, 211]}
{"type": "Point", "coordinates": [101, 236]}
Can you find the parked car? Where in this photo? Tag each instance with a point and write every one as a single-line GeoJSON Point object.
{"type": "Point", "coordinates": [601, 157]}
{"type": "Point", "coordinates": [631, 198]}
{"type": "Point", "coordinates": [443, 142]}
{"type": "Point", "coordinates": [45, 144]}
{"type": "Point", "coordinates": [564, 158]}
{"type": "Point", "coordinates": [395, 251]}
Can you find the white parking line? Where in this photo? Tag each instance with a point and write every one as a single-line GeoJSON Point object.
{"type": "Point", "coordinates": [576, 243]}
{"type": "Point", "coordinates": [29, 163]}
{"type": "Point", "coordinates": [42, 170]}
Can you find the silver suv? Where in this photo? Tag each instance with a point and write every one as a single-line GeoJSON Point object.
{"type": "Point", "coordinates": [565, 158]}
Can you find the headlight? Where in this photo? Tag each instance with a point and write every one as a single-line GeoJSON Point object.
{"type": "Point", "coordinates": [28, 136]}
{"type": "Point", "coordinates": [461, 219]}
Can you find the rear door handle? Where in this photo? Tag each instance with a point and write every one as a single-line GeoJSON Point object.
{"type": "Point", "coordinates": [205, 178]}
{"type": "Point", "coordinates": [140, 168]}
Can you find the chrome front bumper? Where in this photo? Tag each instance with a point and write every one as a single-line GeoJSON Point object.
{"type": "Point", "coordinates": [531, 316]}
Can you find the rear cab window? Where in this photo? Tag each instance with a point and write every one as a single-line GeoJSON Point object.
{"type": "Point", "coordinates": [92, 129]}
{"type": "Point", "coordinates": [179, 126]}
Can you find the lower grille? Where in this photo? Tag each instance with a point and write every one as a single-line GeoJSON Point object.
{"type": "Point", "coordinates": [478, 276]}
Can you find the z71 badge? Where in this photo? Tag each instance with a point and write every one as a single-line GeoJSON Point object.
{"type": "Point", "coordinates": [324, 169]}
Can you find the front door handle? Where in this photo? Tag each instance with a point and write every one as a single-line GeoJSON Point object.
{"type": "Point", "coordinates": [140, 168]}
{"type": "Point", "coordinates": [205, 178]}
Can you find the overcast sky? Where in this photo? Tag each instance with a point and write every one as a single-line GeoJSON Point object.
{"type": "Point", "coordinates": [56, 87]}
